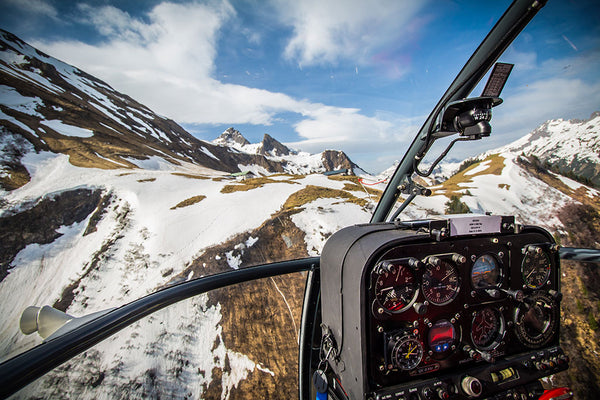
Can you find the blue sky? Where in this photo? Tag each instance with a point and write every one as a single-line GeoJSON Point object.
{"type": "Point", "coordinates": [360, 76]}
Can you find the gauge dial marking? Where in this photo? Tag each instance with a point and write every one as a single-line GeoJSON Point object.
{"type": "Point", "coordinates": [487, 328]}
{"type": "Point", "coordinates": [407, 353]}
{"type": "Point", "coordinates": [441, 283]}
{"type": "Point", "coordinates": [397, 289]}
{"type": "Point", "coordinates": [536, 269]}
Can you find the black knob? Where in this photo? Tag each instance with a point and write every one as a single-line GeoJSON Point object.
{"type": "Point", "coordinates": [527, 364]}
{"type": "Point", "coordinates": [427, 393]}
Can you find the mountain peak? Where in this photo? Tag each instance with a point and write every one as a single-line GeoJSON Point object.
{"type": "Point", "coordinates": [231, 136]}
{"type": "Point", "coordinates": [271, 146]}
{"type": "Point", "coordinates": [570, 147]}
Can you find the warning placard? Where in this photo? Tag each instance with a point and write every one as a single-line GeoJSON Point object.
{"type": "Point", "coordinates": [473, 225]}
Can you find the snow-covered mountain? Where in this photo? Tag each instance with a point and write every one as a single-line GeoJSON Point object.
{"type": "Point", "coordinates": [104, 202]}
{"type": "Point", "coordinates": [530, 178]}
{"type": "Point", "coordinates": [48, 105]}
{"type": "Point", "coordinates": [293, 162]}
{"type": "Point", "coordinates": [571, 147]}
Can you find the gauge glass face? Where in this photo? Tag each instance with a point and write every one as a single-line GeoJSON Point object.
{"type": "Point", "coordinates": [486, 272]}
{"type": "Point", "coordinates": [442, 336]}
{"type": "Point", "coordinates": [536, 325]}
{"type": "Point", "coordinates": [407, 353]}
{"type": "Point", "coordinates": [487, 328]}
{"type": "Point", "coordinates": [396, 289]}
{"type": "Point", "coordinates": [441, 283]}
{"type": "Point", "coordinates": [536, 269]}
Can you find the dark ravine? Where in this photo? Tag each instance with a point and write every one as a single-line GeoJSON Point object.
{"type": "Point", "coordinates": [39, 223]}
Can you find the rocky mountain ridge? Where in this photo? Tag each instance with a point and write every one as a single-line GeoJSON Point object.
{"type": "Point", "coordinates": [56, 107]}
{"type": "Point", "coordinates": [293, 161]}
{"type": "Point", "coordinates": [569, 147]}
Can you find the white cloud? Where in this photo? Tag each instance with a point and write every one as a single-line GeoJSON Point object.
{"type": "Point", "coordinates": [522, 60]}
{"type": "Point", "coordinates": [35, 6]}
{"type": "Point", "coordinates": [546, 99]}
{"type": "Point", "coordinates": [329, 31]}
{"type": "Point", "coordinates": [166, 61]}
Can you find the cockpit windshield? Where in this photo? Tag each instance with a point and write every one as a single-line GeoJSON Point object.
{"type": "Point", "coordinates": [144, 145]}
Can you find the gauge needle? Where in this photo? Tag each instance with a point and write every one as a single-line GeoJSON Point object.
{"type": "Point", "coordinates": [410, 350]}
{"type": "Point", "coordinates": [528, 275]}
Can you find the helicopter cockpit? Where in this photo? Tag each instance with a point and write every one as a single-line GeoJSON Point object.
{"type": "Point", "coordinates": [452, 307]}
{"type": "Point", "coordinates": [463, 307]}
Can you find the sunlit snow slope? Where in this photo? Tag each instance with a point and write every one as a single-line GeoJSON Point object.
{"type": "Point", "coordinates": [150, 206]}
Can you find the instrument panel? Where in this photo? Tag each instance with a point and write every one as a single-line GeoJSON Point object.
{"type": "Point", "coordinates": [458, 307]}
{"type": "Point", "coordinates": [439, 306]}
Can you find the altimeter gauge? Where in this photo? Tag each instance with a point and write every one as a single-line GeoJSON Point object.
{"type": "Point", "coordinates": [441, 283]}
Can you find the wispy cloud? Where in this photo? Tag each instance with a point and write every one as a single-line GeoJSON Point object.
{"type": "Point", "coordinates": [535, 103]}
{"type": "Point", "coordinates": [330, 31]}
{"type": "Point", "coordinates": [40, 7]}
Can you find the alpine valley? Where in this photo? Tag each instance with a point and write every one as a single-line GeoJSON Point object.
{"type": "Point", "coordinates": [103, 201]}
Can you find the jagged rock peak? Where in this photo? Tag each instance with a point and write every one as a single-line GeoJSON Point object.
{"type": "Point", "coordinates": [334, 160]}
{"type": "Point", "coordinates": [232, 135]}
{"type": "Point", "coordinates": [272, 146]}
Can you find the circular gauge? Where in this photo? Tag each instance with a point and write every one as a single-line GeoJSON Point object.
{"type": "Point", "coordinates": [486, 272]}
{"type": "Point", "coordinates": [396, 287]}
{"type": "Point", "coordinates": [536, 320]}
{"type": "Point", "coordinates": [441, 337]}
{"type": "Point", "coordinates": [440, 283]}
{"type": "Point", "coordinates": [536, 269]}
{"type": "Point", "coordinates": [407, 353]}
{"type": "Point", "coordinates": [487, 328]}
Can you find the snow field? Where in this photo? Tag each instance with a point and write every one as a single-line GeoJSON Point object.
{"type": "Point", "coordinates": [140, 243]}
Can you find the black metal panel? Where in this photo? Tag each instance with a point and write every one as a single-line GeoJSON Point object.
{"type": "Point", "coordinates": [363, 331]}
{"type": "Point", "coordinates": [342, 300]}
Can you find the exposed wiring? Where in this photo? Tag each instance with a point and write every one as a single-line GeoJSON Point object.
{"type": "Point", "coordinates": [361, 180]}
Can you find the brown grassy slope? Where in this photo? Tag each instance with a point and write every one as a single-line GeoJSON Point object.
{"type": "Point", "coordinates": [455, 185]}
{"type": "Point", "coordinates": [261, 318]}
{"type": "Point", "coordinates": [580, 308]}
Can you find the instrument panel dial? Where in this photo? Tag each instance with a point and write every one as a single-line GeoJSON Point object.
{"type": "Point", "coordinates": [440, 282]}
{"type": "Point", "coordinates": [407, 353]}
{"type": "Point", "coordinates": [487, 328]}
{"type": "Point", "coordinates": [536, 321]}
{"type": "Point", "coordinates": [486, 272]}
{"type": "Point", "coordinates": [396, 287]}
{"type": "Point", "coordinates": [536, 268]}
